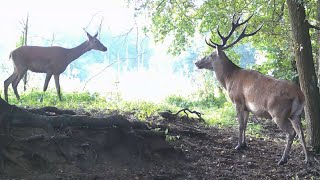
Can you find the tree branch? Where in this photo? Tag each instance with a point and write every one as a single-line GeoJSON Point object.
{"type": "Point", "coordinates": [312, 26]}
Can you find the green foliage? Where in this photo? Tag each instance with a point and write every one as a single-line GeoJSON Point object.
{"type": "Point", "coordinates": [87, 101]}
{"type": "Point", "coordinates": [184, 21]}
{"type": "Point", "coordinates": [207, 101]}
{"type": "Point", "coordinates": [208, 96]}
{"type": "Point", "coordinates": [74, 100]}
{"type": "Point", "coordinates": [222, 117]}
{"type": "Point", "coordinates": [20, 41]}
{"type": "Point", "coordinates": [254, 129]}
{"type": "Point", "coordinates": [141, 109]}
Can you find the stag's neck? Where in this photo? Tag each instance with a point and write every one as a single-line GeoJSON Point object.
{"type": "Point", "coordinates": [224, 71]}
{"type": "Point", "coordinates": [78, 51]}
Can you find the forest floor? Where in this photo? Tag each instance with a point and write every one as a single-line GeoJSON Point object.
{"type": "Point", "coordinates": [199, 152]}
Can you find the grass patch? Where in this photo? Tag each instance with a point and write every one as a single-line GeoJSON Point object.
{"type": "Point", "coordinates": [197, 101]}
{"type": "Point", "coordinates": [74, 100]}
{"type": "Point", "coordinates": [217, 112]}
{"type": "Point", "coordinates": [88, 101]}
{"type": "Point", "coordinates": [222, 117]}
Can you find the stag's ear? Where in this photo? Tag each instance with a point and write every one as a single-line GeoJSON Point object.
{"type": "Point", "coordinates": [219, 51]}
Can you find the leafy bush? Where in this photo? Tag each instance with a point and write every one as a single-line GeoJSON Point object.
{"type": "Point", "coordinates": [209, 95]}
{"type": "Point", "coordinates": [222, 117]}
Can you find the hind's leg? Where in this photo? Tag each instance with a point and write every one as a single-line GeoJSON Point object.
{"type": "Point", "coordinates": [56, 79]}
{"type": "Point", "coordinates": [16, 82]}
{"type": "Point", "coordinates": [45, 86]}
{"type": "Point", "coordinates": [7, 82]}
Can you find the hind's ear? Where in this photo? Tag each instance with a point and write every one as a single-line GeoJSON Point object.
{"type": "Point", "coordinates": [96, 35]}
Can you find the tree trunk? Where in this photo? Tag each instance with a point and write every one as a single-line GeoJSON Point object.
{"type": "Point", "coordinates": [318, 41]}
{"type": "Point", "coordinates": [25, 43]}
{"type": "Point", "coordinates": [306, 70]}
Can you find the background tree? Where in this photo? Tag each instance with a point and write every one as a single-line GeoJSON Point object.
{"type": "Point", "coordinates": [305, 65]}
{"type": "Point", "coordinates": [318, 41]}
{"type": "Point", "coordinates": [24, 42]}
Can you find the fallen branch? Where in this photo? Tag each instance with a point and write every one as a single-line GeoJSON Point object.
{"type": "Point", "coordinates": [169, 115]}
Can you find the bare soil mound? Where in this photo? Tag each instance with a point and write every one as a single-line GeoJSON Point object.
{"type": "Point", "coordinates": [159, 148]}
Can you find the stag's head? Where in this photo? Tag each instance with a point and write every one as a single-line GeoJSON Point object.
{"type": "Point", "coordinates": [95, 44]}
{"type": "Point", "coordinates": [209, 62]}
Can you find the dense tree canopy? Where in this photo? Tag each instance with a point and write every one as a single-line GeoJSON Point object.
{"type": "Point", "coordinates": [182, 22]}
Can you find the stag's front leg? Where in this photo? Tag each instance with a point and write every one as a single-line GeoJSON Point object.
{"type": "Point", "coordinates": [57, 82]}
{"type": "Point", "coordinates": [242, 126]}
{"type": "Point", "coordinates": [245, 121]}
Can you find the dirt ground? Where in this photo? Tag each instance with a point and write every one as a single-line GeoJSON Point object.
{"type": "Point", "coordinates": [194, 151]}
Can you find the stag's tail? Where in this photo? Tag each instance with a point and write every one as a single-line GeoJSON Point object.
{"type": "Point", "coordinates": [297, 107]}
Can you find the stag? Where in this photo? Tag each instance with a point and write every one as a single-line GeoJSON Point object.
{"type": "Point", "coordinates": [50, 60]}
{"type": "Point", "coordinates": [251, 91]}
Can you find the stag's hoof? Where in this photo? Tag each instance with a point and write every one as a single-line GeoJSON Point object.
{"type": "Point", "coordinates": [240, 146]}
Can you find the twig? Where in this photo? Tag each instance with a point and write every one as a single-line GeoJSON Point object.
{"type": "Point", "coordinates": [145, 52]}
{"type": "Point", "coordinates": [93, 16]}
{"type": "Point", "coordinates": [160, 4]}
{"type": "Point", "coordinates": [316, 160]}
{"type": "Point", "coordinates": [85, 84]}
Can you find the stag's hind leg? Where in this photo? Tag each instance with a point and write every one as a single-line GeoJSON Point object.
{"type": "Point", "coordinates": [7, 82]}
{"type": "Point", "coordinates": [286, 126]}
{"type": "Point", "coordinates": [296, 122]}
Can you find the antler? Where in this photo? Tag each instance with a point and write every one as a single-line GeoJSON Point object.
{"type": "Point", "coordinates": [242, 35]}
{"type": "Point", "coordinates": [211, 43]}
{"type": "Point", "coordinates": [235, 24]}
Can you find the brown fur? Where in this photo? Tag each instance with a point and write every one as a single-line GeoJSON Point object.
{"type": "Point", "coordinates": [50, 60]}
{"type": "Point", "coordinates": [264, 96]}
